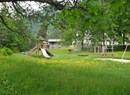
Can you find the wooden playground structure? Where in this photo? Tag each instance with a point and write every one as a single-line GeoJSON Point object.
{"type": "Point", "coordinates": [40, 50]}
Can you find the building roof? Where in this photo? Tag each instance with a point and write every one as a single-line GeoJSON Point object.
{"type": "Point", "coordinates": [54, 40]}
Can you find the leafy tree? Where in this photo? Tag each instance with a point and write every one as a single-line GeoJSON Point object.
{"type": "Point", "coordinates": [102, 18]}
{"type": "Point", "coordinates": [20, 39]}
{"type": "Point", "coordinates": [53, 32]}
{"type": "Point", "coordinates": [121, 19]}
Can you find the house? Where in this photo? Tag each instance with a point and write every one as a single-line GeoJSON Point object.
{"type": "Point", "coordinates": [54, 43]}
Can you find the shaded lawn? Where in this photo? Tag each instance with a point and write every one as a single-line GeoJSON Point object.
{"type": "Point", "coordinates": [62, 75]}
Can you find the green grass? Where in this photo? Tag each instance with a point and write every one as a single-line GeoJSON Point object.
{"type": "Point", "coordinates": [64, 74]}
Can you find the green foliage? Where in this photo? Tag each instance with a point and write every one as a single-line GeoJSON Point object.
{"type": "Point", "coordinates": [120, 18]}
{"type": "Point", "coordinates": [68, 36]}
{"type": "Point", "coordinates": [42, 31]}
{"type": "Point", "coordinates": [115, 5]}
{"type": "Point", "coordinates": [20, 38]}
{"type": "Point", "coordinates": [121, 48]}
{"type": "Point", "coordinates": [3, 52]}
{"type": "Point", "coordinates": [6, 51]}
{"type": "Point", "coordinates": [15, 41]}
{"type": "Point", "coordinates": [103, 18]}
{"type": "Point", "coordinates": [53, 32]}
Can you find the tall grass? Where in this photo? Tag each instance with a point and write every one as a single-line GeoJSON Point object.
{"type": "Point", "coordinates": [64, 74]}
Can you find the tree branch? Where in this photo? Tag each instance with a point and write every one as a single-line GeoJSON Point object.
{"type": "Point", "coordinates": [5, 24]}
{"type": "Point", "coordinates": [57, 4]}
{"type": "Point", "coordinates": [17, 10]}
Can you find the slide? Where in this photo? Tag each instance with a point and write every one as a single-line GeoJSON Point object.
{"type": "Point", "coordinates": [45, 53]}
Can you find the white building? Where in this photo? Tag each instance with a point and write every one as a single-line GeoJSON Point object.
{"type": "Point", "coordinates": [54, 43]}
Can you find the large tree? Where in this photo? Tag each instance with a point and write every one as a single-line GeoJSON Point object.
{"type": "Point", "coordinates": [94, 15]}
{"type": "Point", "coordinates": [27, 11]}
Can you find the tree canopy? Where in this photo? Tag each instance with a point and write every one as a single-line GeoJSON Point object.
{"type": "Point", "coordinates": [102, 18]}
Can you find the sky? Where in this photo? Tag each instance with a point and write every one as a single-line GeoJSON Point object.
{"type": "Point", "coordinates": [33, 4]}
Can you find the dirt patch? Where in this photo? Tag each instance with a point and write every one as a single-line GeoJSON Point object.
{"type": "Point", "coordinates": [82, 55]}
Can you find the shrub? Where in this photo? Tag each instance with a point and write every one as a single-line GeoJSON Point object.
{"type": "Point", "coordinates": [3, 52]}
{"type": "Point", "coordinates": [6, 51]}
{"type": "Point", "coordinates": [121, 48]}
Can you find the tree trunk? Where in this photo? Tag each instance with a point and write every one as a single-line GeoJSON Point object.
{"type": "Point", "coordinates": [82, 45]}
{"type": "Point", "coordinates": [103, 39]}
{"type": "Point", "coordinates": [123, 39]}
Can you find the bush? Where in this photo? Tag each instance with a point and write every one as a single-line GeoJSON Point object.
{"type": "Point", "coordinates": [121, 48]}
{"type": "Point", "coordinates": [6, 51]}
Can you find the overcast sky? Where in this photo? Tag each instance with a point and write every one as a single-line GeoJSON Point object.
{"type": "Point", "coordinates": [33, 4]}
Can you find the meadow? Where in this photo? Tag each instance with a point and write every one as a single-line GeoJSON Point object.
{"type": "Point", "coordinates": [64, 74]}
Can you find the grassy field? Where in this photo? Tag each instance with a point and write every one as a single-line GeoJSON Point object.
{"type": "Point", "coordinates": [64, 74]}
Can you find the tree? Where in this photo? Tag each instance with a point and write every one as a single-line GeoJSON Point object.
{"type": "Point", "coordinates": [16, 5]}
{"type": "Point", "coordinates": [121, 19]}
{"type": "Point", "coordinates": [81, 20]}
{"type": "Point", "coordinates": [20, 39]}
{"type": "Point", "coordinates": [102, 18]}
{"type": "Point", "coordinates": [53, 32]}
{"type": "Point", "coordinates": [15, 41]}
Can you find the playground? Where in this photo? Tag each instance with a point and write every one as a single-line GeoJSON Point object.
{"type": "Point", "coordinates": [104, 53]}
{"type": "Point", "coordinates": [64, 47]}
{"type": "Point", "coordinates": [64, 73]}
